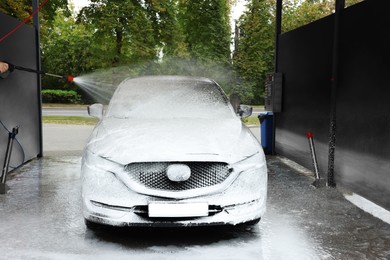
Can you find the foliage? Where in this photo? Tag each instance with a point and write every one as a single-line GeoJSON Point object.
{"type": "Point", "coordinates": [162, 37]}
{"type": "Point", "coordinates": [206, 27]}
{"type": "Point", "coordinates": [143, 37]}
{"type": "Point", "coordinates": [22, 9]}
{"type": "Point", "coordinates": [207, 36]}
{"type": "Point", "coordinates": [123, 28]}
{"type": "Point", "coordinates": [254, 57]}
{"type": "Point", "coordinates": [166, 26]}
{"type": "Point", "coordinates": [18, 9]}
{"type": "Point", "coordinates": [67, 49]}
{"type": "Point", "coordinates": [69, 120]}
{"type": "Point", "coordinates": [297, 13]}
{"type": "Point", "coordinates": [252, 120]}
{"type": "Point", "coordinates": [60, 96]}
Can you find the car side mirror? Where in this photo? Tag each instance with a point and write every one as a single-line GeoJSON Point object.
{"type": "Point", "coordinates": [96, 111]}
{"type": "Point", "coordinates": [245, 111]}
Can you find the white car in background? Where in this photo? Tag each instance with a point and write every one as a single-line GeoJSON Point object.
{"type": "Point", "coordinates": [171, 151]}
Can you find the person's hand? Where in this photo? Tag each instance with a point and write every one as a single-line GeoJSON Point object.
{"type": "Point", "coordinates": [3, 67]}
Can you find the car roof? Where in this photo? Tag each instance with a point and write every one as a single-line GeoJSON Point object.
{"type": "Point", "coordinates": [159, 92]}
{"type": "Point", "coordinates": [165, 81]}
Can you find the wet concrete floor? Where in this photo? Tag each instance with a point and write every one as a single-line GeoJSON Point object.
{"type": "Point", "coordinates": [40, 218]}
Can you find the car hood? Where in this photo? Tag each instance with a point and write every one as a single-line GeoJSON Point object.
{"type": "Point", "coordinates": [134, 140]}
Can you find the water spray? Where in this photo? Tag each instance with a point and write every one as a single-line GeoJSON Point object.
{"type": "Point", "coordinates": [12, 67]}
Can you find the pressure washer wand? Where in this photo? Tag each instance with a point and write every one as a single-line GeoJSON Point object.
{"type": "Point", "coordinates": [16, 67]}
{"type": "Point", "coordinates": [52, 75]}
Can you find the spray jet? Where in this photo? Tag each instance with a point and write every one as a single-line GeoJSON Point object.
{"type": "Point", "coordinates": [12, 67]}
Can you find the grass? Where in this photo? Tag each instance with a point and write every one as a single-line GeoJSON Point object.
{"type": "Point", "coordinates": [80, 120]}
{"type": "Point", "coordinates": [64, 105]}
{"type": "Point", "coordinates": [69, 120]}
{"type": "Point", "coordinates": [258, 106]}
{"type": "Point", "coordinates": [252, 120]}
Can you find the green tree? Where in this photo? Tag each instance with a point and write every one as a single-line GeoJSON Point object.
{"type": "Point", "coordinates": [18, 9]}
{"type": "Point", "coordinates": [67, 49]}
{"type": "Point", "coordinates": [124, 30]}
{"type": "Point", "coordinates": [167, 30]}
{"type": "Point", "coordinates": [207, 30]}
{"type": "Point", "coordinates": [254, 57]}
{"type": "Point", "coordinates": [297, 13]}
{"type": "Point", "coordinates": [21, 9]}
{"type": "Point", "coordinates": [205, 48]}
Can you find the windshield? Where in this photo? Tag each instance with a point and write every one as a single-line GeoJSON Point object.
{"type": "Point", "coordinates": [169, 97]}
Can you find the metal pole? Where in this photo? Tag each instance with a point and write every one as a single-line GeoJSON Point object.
{"type": "Point", "coordinates": [278, 31]}
{"type": "Point", "coordinates": [6, 160]}
{"type": "Point", "coordinates": [318, 183]}
{"type": "Point", "coordinates": [313, 155]}
{"type": "Point", "coordinates": [339, 6]}
{"type": "Point", "coordinates": [8, 153]}
{"type": "Point", "coordinates": [35, 5]}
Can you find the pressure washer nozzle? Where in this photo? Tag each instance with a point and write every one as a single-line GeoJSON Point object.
{"type": "Point", "coordinates": [68, 78]}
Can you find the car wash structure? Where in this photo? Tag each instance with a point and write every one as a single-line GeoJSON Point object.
{"type": "Point", "coordinates": [20, 93]}
{"type": "Point", "coordinates": [335, 84]}
{"type": "Point", "coordinates": [331, 77]}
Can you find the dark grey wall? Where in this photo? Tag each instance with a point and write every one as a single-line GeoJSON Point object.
{"type": "Point", "coordinates": [363, 107]}
{"type": "Point", "coordinates": [306, 62]}
{"type": "Point", "coordinates": [19, 103]}
{"type": "Point", "coordinates": [362, 158]}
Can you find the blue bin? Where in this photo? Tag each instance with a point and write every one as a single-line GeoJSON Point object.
{"type": "Point", "coordinates": [266, 119]}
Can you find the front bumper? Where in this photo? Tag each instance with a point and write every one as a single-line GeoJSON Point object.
{"type": "Point", "coordinates": [107, 200]}
{"type": "Point", "coordinates": [229, 215]}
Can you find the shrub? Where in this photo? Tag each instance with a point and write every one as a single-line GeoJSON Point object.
{"type": "Point", "coordinates": [60, 96]}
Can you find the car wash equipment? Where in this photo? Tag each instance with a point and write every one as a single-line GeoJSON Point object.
{"type": "Point", "coordinates": [318, 183]}
{"type": "Point", "coordinates": [11, 137]}
{"type": "Point", "coordinates": [13, 67]}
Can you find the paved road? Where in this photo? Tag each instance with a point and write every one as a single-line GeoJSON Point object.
{"type": "Point", "coordinates": [64, 111]}
{"type": "Point", "coordinates": [65, 139]}
{"type": "Point", "coordinates": [257, 110]}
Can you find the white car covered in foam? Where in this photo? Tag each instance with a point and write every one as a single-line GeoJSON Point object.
{"type": "Point", "coordinates": [172, 151]}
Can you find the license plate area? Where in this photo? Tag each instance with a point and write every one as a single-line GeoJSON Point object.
{"type": "Point", "coordinates": [177, 210]}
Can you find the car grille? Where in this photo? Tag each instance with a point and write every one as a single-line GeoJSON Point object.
{"type": "Point", "coordinates": [153, 175]}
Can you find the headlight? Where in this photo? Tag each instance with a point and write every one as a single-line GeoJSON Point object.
{"type": "Point", "coordinates": [98, 164]}
{"type": "Point", "coordinates": [252, 162]}
{"type": "Point", "coordinates": [93, 160]}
